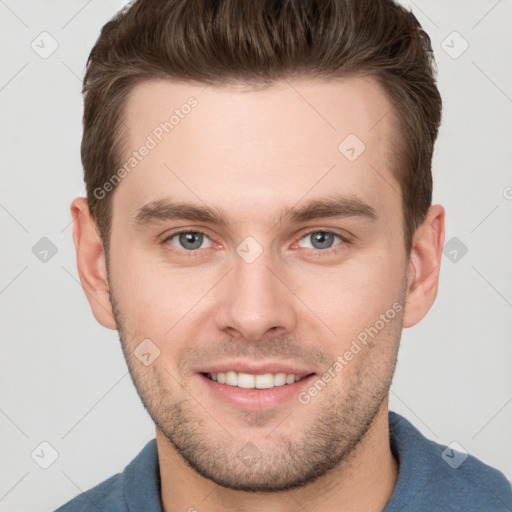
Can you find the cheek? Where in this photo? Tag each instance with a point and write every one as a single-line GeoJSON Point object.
{"type": "Point", "coordinates": [352, 296]}
{"type": "Point", "coordinates": [154, 300]}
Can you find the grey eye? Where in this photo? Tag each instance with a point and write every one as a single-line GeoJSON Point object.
{"type": "Point", "coordinates": [189, 240]}
{"type": "Point", "coordinates": [321, 239]}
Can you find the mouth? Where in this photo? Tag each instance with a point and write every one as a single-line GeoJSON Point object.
{"type": "Point", "coordinates": [256, 390]}
{"type": "Point", "coordinates": [254, 381]}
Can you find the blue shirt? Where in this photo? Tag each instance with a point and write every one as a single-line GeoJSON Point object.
{"type": "Point", "coordinates": [431, 478]}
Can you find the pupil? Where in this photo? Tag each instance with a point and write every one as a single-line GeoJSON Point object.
{"type": "Point", "coordinates": [324, 240]}
{"type": "Point", "coordinates": [188, 238]}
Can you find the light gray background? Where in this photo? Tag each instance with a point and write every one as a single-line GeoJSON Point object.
{"type": "Point", "coordinates": [63, 377]}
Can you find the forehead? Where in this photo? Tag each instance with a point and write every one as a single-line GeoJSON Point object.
{"type": "Point", "coordinates": [251, 148]}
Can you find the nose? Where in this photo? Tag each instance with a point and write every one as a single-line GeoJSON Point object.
{"type": "Point", "coordinates": [256, 300]}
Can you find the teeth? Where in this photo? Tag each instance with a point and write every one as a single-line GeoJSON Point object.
{"type": "Point", "coordinates": [279, 379]}
{"type": "Point", "coordinates": [264, 381]}
{"type": "Point", "coordinates": [245, 380]}
{"type": "Point", "coordinates": [231, 379]}
{"type": "Point", "coordinates": [248, 381]}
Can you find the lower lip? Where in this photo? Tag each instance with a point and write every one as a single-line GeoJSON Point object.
{"type": "Point", "coordinates": [256, 399]}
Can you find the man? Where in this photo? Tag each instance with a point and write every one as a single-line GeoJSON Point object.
{"type": "Point", "coordinates": [258, 227]}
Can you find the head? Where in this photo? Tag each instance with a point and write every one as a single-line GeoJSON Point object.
{"type": "Point", "coordinates": [290, 143]}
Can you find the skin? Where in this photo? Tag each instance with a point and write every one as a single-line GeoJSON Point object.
{"type": "Point", "coordinates": [251, 153]}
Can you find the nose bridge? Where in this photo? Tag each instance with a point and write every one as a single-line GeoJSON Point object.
{"type": "Point", "coordinates": [255, 299]}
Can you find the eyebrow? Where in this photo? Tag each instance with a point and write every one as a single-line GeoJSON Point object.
{"type": "Point", "coordinates": [327, 207]}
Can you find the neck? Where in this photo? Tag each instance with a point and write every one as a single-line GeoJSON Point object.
{"type": "Point", "coordinates": [364, 481]}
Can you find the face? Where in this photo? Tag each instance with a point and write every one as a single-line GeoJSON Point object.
{"type": "Point", "coordinates": [258, 272]}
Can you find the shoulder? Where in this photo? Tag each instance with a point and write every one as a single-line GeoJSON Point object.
{"type": "Point", "coordinates": [443, 477]}
{"type": "Point", "coordinates": [107, 496]}
{"type": "Point", "coordinates": [136, 488]}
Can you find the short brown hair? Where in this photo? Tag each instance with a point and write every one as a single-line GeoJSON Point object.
{"type": "Point", "coordinates": [258, 42]}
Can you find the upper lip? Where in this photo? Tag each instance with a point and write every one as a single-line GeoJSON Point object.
{"type": "Point", "coordinates": [257, 368]}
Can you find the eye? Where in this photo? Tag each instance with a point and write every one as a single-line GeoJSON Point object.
{"type": "Point", "coordinates": [191, 241]}
{"type": "Point", "coordinates": [321, 240]}
{"type": "Point", "coordinates": [187, 240]}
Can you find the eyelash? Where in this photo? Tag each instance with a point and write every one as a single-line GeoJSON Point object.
{"type": "Point", "coordinates": [314, 252]}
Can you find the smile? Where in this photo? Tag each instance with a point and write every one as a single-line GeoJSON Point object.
{"type": "Point", "coordinates": [251, 381]}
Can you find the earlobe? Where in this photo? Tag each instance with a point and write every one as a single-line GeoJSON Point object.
{"type": "Point", "coordinates": [424, 266]}
{"type": "Point", "coordinates": [90, 258]}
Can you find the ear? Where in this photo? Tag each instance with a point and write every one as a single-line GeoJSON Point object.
{"type": "Point", "coordinates": [424, 266]}
{"type": "Point", "coordinates": [90, 258]}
